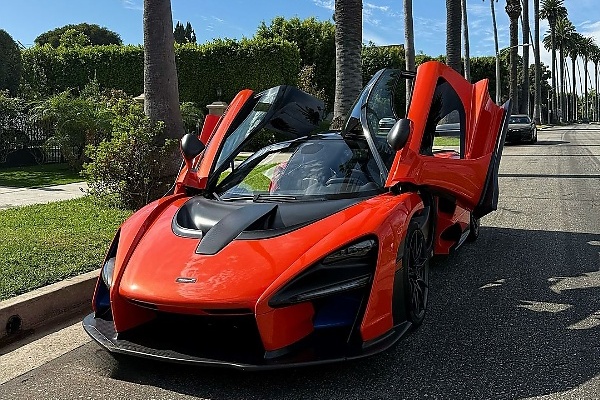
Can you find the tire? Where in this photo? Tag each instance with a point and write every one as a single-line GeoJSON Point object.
{"type": "Point", "coordinates": [415, 263]}
{"type": "Point", "coordinates": [474, 224]}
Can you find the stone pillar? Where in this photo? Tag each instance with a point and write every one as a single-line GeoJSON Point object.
{"type": "Point", "coordinates": [217, 108]}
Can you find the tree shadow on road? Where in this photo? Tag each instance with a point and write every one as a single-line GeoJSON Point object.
{"type": "Point", "coordinates": [515, 315]}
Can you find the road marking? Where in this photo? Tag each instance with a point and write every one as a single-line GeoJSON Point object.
{"type": "Point", "coordinates": [41, 351]}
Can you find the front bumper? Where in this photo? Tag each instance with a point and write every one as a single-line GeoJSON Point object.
{"type": "Point", "coordinates": [519, 135]}
{"type": "Point", "coordinates": [231, 352]}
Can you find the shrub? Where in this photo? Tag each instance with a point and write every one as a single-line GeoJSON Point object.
{"type": "Point", "coordinates": [192, 117]}
{"type": "Point", "coordinates": [226, 66]}
{"type": "Point", "coordinates": [77, 121]}
{"type": "Point", "coordinates": [10, 63]}
{"type": "Point", "coordinates": [12, 115]}
{"type": "Point", "coordinates": [129, 165]}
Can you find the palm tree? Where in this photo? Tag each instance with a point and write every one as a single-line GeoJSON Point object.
{"type": "Point", "coordinates": [552, 10]}
{"type": "Point", "coordinates": [467, 55]}
{"type": "Point", "coordinates": [161, 93]}
{"type": "Point", "coordinates": [587, 48]}
{"type": "Point", "coordinates": [348, 46]}
{"type": "Point", "coordinates": [453, 30]}
{"type": "Point", "coordinates": [525, 96]}
{"type": "Point", "coordinates": [409, 38]}
{"type": "Point", "coordinates": [573, 50]}
{"type": "Point", "coordinates": [596, 59]}
{"type": "Point", "coordinates": [498, 83]}
{"type": "Point", "coordinates": [538, 66]}
{"type": "Point", "coordinates": [513, 9]}
{"type": "Point", "coordinates": [563, 31]}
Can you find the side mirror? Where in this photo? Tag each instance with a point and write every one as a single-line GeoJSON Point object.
{"type": "Point", "coordinates": [398, 135]}
{"type": "Point", "coordinates": [191, 146]}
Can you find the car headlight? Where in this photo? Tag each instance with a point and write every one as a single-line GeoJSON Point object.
{"type": "Point", "coordinates": [107, 271]}
{"type": "Point", "coordinates": [108, 268]}
{"type": "Point", "coordinates": [346, 269]}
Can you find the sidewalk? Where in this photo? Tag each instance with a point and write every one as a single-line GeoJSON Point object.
{"type": "Point", "coordinates": [14, 197]}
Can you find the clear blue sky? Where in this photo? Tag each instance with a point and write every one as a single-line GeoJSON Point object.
{"type": "Point", "coordinates": [383, 19]}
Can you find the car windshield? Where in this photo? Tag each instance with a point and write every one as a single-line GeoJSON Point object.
{"type": "Point", "coordinates": [320, 166]}
{"type": "Point", "coordinates": [519, 120]}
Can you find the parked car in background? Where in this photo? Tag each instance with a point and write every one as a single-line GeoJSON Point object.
{"type": "Point", "coordinates": [521, 129]}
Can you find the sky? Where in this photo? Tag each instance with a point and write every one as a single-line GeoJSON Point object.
{"type": "Point", "coordinates": [383, 22]}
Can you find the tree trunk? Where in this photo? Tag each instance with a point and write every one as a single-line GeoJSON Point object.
{"type": "Point", "coordinates": [467, 55]}
{"type": "Point", "coordinates": [563, 102]}
{"type": "Point", "coordinates": [409, 38]}
{"type": "Point", "coordinates": [348, 46]}
{"type": "Point", "coordinates": [553, 45]}
{"type": "Point", "coordinates": [513, 9]}
{"type": "Point", "coordinates": [538, 73]}
{"type": "Point", "coordinates": [161, 92]}
{"type": "Point", "coordinates": [585, 80]}
{"type": "Point", "coordinates": [526, 84]}
{"type": "Point", "coordinates": [597, 118]}
{"type": "Point", "coordinates": [496, 47]}
{"type": "Point", "coordinates": [574, 107]}
{"type": "Point", "coordinates": [453, 30]}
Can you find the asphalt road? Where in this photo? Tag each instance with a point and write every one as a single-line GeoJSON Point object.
{"type": "Point", "coordinates": [516, 315]}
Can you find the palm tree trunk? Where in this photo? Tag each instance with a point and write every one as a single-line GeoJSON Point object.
{"type": "Point", "coordinates": [552, 38]}
{"type": "Point", "coordinates": [467, 54]}
{"type": "Point", "coordinates": [348, 46]}
{"type": "Point", "coordinates": [563, 102]}
{"type": "Point", "coordinates": [409, 38]}
{"type": "Point", "coordinates": [513, 9]}
{"type": "Point", "coordinates": [161, 92]}
{"type": "Point", "coordinates": [585, 77]}
{"type": "Point", "coordinates": [596, 93]}
{"type": "Point", "coordinates": [526, 33]}
{"type": "Point", "coordinates": [453, 30]}
{"type": "Point", "coordinates": [538, 73]}
{"type": "Point", "coordinates": [574, 107]}
{"type": "Point", "coordinates": [498, 78]}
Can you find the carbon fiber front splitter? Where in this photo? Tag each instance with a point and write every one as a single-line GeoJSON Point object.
{"type": "Point", "coordinates": [103, 332]}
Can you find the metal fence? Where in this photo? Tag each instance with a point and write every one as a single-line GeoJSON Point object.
{"type": "Point", "coordinates": [23, 141]}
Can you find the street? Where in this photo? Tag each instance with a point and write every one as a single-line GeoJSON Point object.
{"type": "Point", "coordinates": [515, 315]}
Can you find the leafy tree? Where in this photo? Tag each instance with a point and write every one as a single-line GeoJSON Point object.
{"type": "Point", "coordinates": [96, 34]}
{"type": "Point", "coordinates": [348, 46]}
{"type": "Point", "coordinates": [10, 63]}
{"type": "Point", "coordinates": [184, 35]}
{"type": "Point", "coordinates": [315, 40]}
{"type": "Point", "coordinates": [73, 38]}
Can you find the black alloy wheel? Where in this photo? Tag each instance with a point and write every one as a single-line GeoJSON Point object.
{"type": "Point", "coordinates": [416, 267]}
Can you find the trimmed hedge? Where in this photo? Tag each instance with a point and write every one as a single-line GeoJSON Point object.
{"type": "Point", "coordinates": [227, 65]}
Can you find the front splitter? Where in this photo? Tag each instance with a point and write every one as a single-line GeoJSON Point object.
{"type": "Point", "coordinates": [103, 332]}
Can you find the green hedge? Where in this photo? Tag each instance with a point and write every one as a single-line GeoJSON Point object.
{"type": "Point", "coordinates": [227, 65]}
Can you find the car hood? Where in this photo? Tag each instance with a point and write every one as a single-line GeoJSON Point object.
{"type": "Point", "coordinates": [519, 126]}
{"type": "Point", "coordinates": [206, 254]}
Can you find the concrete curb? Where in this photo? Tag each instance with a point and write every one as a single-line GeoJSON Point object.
{"type": "Point", "coordinates": [46, 305]}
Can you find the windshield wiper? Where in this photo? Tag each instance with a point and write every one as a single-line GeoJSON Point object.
{"type": "Point", "coordinates": [273, 197]}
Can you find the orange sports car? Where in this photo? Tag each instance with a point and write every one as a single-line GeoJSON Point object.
{"type": "Point", "coordinates": [284, 244]}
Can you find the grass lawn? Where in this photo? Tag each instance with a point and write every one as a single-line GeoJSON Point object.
{"type": "Point", "coordinates": [446, 141]}
{"type": "Point", "coordinates": [38, 175]}
{"type": "Point", "coordinates": [45, 243]}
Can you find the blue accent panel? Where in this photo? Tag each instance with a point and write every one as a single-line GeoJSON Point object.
{"type": "Point", "coordinates": [102, 297]}
{"type": "Point", "coordinates": [336, 312]}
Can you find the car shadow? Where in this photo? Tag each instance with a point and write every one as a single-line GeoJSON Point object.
{"type": "Point", "coordinates": [517, 314]}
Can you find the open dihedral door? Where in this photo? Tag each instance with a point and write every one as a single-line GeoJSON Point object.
{"type": "Point", "coordinates": [470, 174]}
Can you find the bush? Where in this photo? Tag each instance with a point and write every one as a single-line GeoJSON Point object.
{"type": "Point", "coordinates": [95, 35]}
{"type": "Point", "coordinates": [223, 65]}
{"type": "Point", "coordinates": [192, 117]}
{"type": "Point", "coordinates": [12, 114]}
{"type": "Point", "coordinates": [77, 121]}
{"type": "Point", "coordinates": [10, 63]}
{"type": "Point", "coordinates": [129, 165]}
